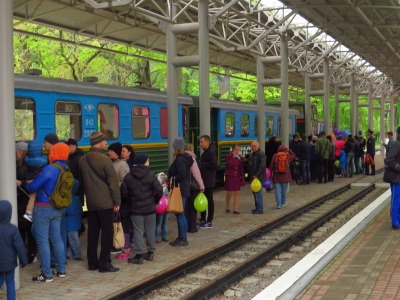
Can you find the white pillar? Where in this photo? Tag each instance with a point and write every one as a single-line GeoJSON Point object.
{"type": "Point", "coordinates": [7, 105]}
{"type": "Point", "coordinates": [337, 107]}
{"type": "Point", "coordinates": [382, 124]}
{"type": "Point", "coordinates": [392, 113]}
{"type": "Point", "coordinates": [284, 92]}
{"type": "Point", "coordinates": [172, 88]}
{"type": "Point", "coordinates": [356, 112]}
{"type": "Point", "coordinates": [308, 129]}
{"type": "Point", "coordinates": [204, 99]}
{"type": "Point", "coordinates": [370, 109]}
{"type": "Point", "coordinates": [260, 103]}
{"type": "Point", "coordinates": [352, 100]}
{"type": "Point", "coordinates": [327, 106]}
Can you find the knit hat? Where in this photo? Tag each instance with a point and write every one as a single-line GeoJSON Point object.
{"type": "Point", "coordinates": [140, 159]}
{"type": "Point", "coordinates": [21, 146]}
{"type": "Point", "coordinates": [340, 138]}
{"type": "Point", "coordinates": [96, 137]}
{"type": "Point", "coordinates": [179, 144]}
{"type": "Point", "coordinates": [70, 142]}
{"type": "Point", "coordinates": [51, 138]}
{"type": "Point", "coordinates": [360, 132]}
{"type": "Point", "coordinates": [59, 151]}
{"type": "Point", "coordinates": [370, 131]}
{"type": "Point", "coordinates": [116, 147]}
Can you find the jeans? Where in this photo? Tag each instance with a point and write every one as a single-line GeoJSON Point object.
{"type": "Point", "coordinates": [395, 205]}
{"type": "Point", "coordinates": [74, 249]}
{"type": "Point", "coordinates": [305, 168]}
{"type": "Point", "coordinates": [8, 277]}
{"type": "Point", "coordinates": [259, 200]}
{"type": "Point", "coordinates": [162, 222]}
{"type": "Point", "coordinates": [181, 220]}
{"type": "Point", "coordinates": [63, 231]}
{"type": "Point", "coordinates": [280, 193]}
{"type": "Point", "coordinates": [350, 164]}
{"type": "Point", "coordinates": [46, 221]}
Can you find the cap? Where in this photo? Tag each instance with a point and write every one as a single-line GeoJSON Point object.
{"type": "Point", "coordinates": [370, 131]}
{"type": "Point", "coordinates": [116, 147]}
{"type": "Point", "coordinates": [178, 144]}
{"type": "Point", "coordinates": [21, 146]}
{"type": "Point", "coordinates": [140, 159]}
{"type": "Point", "coordinates": [51, 138]}
{"type": "Point", "coordinates": [360, 132]}
{"type": "Point", "coordinates": [96, 137]}
{"type": "Point", "coordinates": [71, 142]}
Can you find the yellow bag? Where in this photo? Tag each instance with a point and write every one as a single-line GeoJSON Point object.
{"type": "Point", "coordinates": [119, 238]}
{"type": "Point", "coordinates": [175, 204]}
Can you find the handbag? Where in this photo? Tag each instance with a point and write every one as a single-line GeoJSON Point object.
{"type": "Point", "coordinates": [369, 161]}
{"type": "Point", "coordinates": [175, 204]}
{"type": "Point", "coordinates": [194, 186]}
{"type": "Point", "coordinates": [119, 238]}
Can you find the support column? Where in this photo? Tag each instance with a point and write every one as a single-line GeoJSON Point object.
{"type": "Point", "coordinates": [307, 107]}
{"type": "Point", "coordinates": [352, 120]}
{"type": "Point", "coordinates": [356, 112]}
{"type": "Point", "coordinates": [7, 125]}
{"type": "Point", "coordinates": [337, 107]}
{"type": "Point", "coordinates": [327, 107]}
{"type": "Point", "coordinates": [260, 103]}
{"type": "Point", "coordinates": [172, 88]}
{"type": "Point", "coordinates": [382, 124]}
{"type": "Point", "coordinates": [392, 113]}
{"type": "Point", "coordinates": [370, 109]}
{"type": "Point", "coordinates": [284, 92]}
{"type": "Point", "coordinates": [204, 99]}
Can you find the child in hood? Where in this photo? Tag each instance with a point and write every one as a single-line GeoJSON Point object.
{"type": "Point", "coordinates": [342, 163]}
{"type": "Point", "coordinates": [11, 247]}
{"type": "Point", "coordinates": [73, 220]}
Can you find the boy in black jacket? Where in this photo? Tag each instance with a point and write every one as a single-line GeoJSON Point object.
{"type": "Point", "coordinates": [11, 246]}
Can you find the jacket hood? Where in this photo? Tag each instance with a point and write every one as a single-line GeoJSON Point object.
{"type": "Point", "coordinates": [75, 187]}
{"type": "Point", "coordinates": [139, 171]}
{"type": "Point", "coordinates": [5, 212]}
{"type": "Point", "coordinates": [188, 158]}
{"type": "Point", "coordinates": [342, 153]}
{"type": "Point", "coordinates": [35, 149]}
{"type": "Point", "coordinates": [192, 154]}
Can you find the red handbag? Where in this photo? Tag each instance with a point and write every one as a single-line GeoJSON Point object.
{"type": "Point", "coordinates": [369, 161]}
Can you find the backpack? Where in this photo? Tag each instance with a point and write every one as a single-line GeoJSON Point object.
{"type": "Point", "coordinates": [281, 163]}
{"type": "Point", "coordinates": [62, 193]}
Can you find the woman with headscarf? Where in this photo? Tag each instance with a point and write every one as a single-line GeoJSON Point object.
{"type": "Point", "coordinates": [179, 173]}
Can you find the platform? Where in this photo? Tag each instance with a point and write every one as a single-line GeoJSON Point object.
{"type": "Point", "coordinates": [83, 284]}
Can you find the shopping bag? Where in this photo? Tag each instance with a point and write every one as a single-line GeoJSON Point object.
{"type": "Point", "coordinates": [369, 161]}
{"type": "Point", "coordinates": [119, 238]}
{"type": "Point", "coordinates": [175, 204]}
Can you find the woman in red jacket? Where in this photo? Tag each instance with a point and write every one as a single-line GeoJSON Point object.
{"type": "Point", "coordinates": [234, 178]}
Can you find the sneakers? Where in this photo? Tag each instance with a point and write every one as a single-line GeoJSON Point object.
{"type": "Point", "coordinates": [176, 242]}
{"type": "Point", "coordinates": [158, 240]}
{"type": "Point", "coordinates": [43, 278]}
{"type": "Point", "coordinates": [283, 205]}
{"type": "Point", "coordinates": [115, 251]}
{"type": "Point", "coordinates": [205, 226]}
{"type": "Point", "coordinates": [28, 216]}
{"type": "Point", "coordinates": [110, 269]}
{"type": "Point", "coordinates": [125, 253]}
{"type": "Point", "coordinates": [179, 242]}
{"type": "Point", "coordinates": [60, 274]}
{"type": "Point", "coordinates": [137, 260]}
{"type": "Point", "coordinates": [164, 239]}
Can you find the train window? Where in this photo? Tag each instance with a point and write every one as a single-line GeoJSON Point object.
{"type": "Point", "coordinates": [230, 125]}
{"type": "Point", "coordinates": [300, 108]}
{"type": "Point", "coordinates": [244, 125]}
{"type": "Point", "coordinates": [108, 120]}
{"type": "Point", "coordinates": [68, 120]}
{"type": "Point", "coordinates": [141, 122]}
{"type": "Point", "coordinates": [290, 126]}
{"type": "Point", "coordinates": [25, 119]}
{"type": "Point", "coordinates": [164, 122]}
{"type": "Point", "coordinates": [270, 125]}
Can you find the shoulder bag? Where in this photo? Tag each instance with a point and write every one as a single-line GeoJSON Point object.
{"type": "Point", "coordinates": [119, 238]}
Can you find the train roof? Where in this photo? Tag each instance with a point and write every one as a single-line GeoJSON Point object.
{"type": "Point", "coordinates": [249, 106]}
{"type": "Point", "coordinates": [38, 83]}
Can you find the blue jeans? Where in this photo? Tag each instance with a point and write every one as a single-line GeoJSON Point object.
{"type": "Point", "coordinates": [74, 249]}
{"type": "Point", "coordinates": [305, 168]}
{"type": "Point", "coordinates": [8, 277]}
{"type": "Point", "coordinates": [280, 193]}
{"type": "Point", "coordinates": [162, 222]}
{"type": "Point", "coordinates": [259, 200]}
{"type": "Point", "coordinates": [350, 164]}
{"type": "Point", "coordinates": [63, 231]}
{"type": "Point", "coordinates": [181, 220]}
{"type": "Point", "coordinates": [395, 204]}
{"type": "Point", "coordinates": [46, 220]}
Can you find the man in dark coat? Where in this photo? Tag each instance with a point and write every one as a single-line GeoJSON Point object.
{"type": "Point", "coordinates": [75, 154]}
{"type": "Point", "coordinates": [370, 151]}
{"type": "Point", "coordinates": [392, 176]}
{"type": "Point", "coordinates": [256, 169]}
{"type": "Point", "coordinates": [271, 147]}
{"type": "Point", "coordinates": [208, 168]}
{"type": "Point", "coordinates": [304, 156]}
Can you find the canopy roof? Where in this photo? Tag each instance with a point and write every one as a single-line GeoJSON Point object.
{"type": "Point", "coordinates": [365, 33]}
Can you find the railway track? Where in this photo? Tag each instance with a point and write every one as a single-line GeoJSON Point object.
{"type": "Point", "coordinates": [213, 272]}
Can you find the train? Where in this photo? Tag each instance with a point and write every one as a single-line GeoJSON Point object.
{"type": "Point", "coordinates": [134, 116]}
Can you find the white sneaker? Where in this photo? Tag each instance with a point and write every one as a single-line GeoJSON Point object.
{"type": "Point", "coordinates": [28, 216]}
